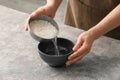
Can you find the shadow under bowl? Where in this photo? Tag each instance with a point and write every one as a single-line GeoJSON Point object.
{"type": "Point", "coordinates": [48, 52]}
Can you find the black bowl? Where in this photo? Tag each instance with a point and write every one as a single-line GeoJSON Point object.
{"type": "Point", "coordinates": [48, 53]}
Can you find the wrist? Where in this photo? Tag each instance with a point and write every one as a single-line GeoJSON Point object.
{"type": "Point", "coordinates": [53, 4]}
{"type": "Point", "coordinates": [92, 34]}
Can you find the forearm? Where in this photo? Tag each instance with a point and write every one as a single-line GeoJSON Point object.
{"type": "Point", "coordinates": [54, 4]}
{"type": "Point", "coordinates": [111, 21]}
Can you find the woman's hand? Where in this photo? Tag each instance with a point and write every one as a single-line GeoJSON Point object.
{"type": "Point", "coordinates": [81, 48]}
{"type": "Point", "coordinates": [85, 40]}
{"type": "Point", "coordinates": [44, 10]}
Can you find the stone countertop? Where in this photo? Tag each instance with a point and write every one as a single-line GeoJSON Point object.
{"type": "Point", "coordinates": [19, 58]}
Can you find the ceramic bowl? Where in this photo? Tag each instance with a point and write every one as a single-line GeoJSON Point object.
{"type": "Point", "coordinates": [45, 18]}
{"type": "Point", "coordinates": [48, 54]}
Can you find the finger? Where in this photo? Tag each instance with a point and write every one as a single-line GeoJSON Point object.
{"type": "Point", "coordinates": [26, 23]}
{"type": "Point", "coordinates": [52, 16]}
{"type": "Point", "coordinates": [80, 51]}
{"type": "Point", "coordinates": [38, 12]}
{"type": "Point", "coordinates": [69, 62]}
{"type": "Point", "coordinates": [73, 55]}
{"type": "Point", "coordinates": [77, 45]}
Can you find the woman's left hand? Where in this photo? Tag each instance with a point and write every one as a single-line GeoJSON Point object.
{"type": "Point", "coordinates": [81, 48]}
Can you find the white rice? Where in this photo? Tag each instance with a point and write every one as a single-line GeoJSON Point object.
{"type": "Point", "coordinates": [43, 29]}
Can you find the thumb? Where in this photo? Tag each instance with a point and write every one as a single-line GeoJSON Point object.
{"type": "Point", "coordinates": [38, 12]}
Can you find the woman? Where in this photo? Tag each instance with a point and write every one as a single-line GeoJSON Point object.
{"type": "Point", "coordinates": [87, 15]}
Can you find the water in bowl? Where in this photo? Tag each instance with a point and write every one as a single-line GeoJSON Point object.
{"type": "Point", "coordinates": [54, 49]}
{"type": "Point", "coordinates": [56, 46]}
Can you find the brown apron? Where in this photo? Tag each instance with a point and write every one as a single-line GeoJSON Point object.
{"type": "Point", "coordinates": [84, 14]}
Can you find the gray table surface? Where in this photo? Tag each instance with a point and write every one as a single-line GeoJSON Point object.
{"type": "Point", "coordinates": [19, 58]}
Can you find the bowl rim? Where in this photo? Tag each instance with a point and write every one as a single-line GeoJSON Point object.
{"type": "Point", "coordinates": [40, 52]}
{"type": "Point", "coordinates": [56, 55]}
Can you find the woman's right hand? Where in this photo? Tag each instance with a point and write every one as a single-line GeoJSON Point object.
{"type": "Point", "coordinates": [44, 10]}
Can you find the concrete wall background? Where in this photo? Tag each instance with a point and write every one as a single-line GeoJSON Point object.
{"type": "Point", "coordinates": [29, 6]}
